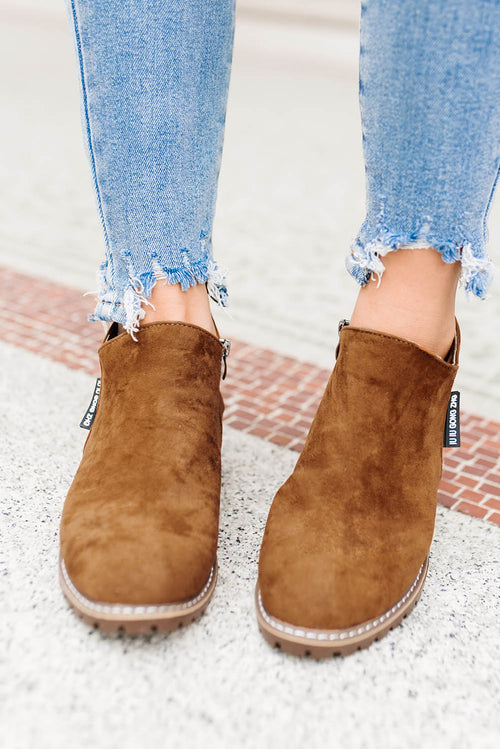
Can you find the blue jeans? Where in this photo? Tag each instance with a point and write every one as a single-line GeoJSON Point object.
{"type": "Point", "coordinates": [154, 78]}
{"type": "Point", "coordinates": [430, 104]}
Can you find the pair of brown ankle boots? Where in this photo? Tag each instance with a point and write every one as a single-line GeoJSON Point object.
{"type": "Point", "coordinates": [345, 550]}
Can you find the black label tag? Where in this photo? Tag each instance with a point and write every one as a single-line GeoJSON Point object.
{"type": "Point", "coordinates": [87, 420]}
{"type": "Point", "coordinates": [452, 425]}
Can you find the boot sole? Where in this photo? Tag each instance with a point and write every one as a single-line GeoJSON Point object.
{"type": "Point", "coordinates": [132, 619]}
{"type": "Point", "coordinates": [326, 643]}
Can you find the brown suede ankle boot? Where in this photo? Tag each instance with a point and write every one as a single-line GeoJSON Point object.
{"type": "Point", "coordinates": [140, 523]}
{"type": "Point", "coordinates": [345, 550]}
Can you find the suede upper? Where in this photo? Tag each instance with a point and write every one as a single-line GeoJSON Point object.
{"type": "Point", "coordinates": [140, 522]}
{"type": "Point", "coordinates": [348, 532]}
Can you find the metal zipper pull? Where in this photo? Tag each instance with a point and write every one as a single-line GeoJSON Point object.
{"type": "Point", "coordinates": [226, 348]}
{"type": "Point", "coordinates": [342, 324]}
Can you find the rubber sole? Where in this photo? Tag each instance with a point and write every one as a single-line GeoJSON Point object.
{"type": "Point", "coordinates": [136, 620]}
{"type": "Point", "coordinates": [325, 643]}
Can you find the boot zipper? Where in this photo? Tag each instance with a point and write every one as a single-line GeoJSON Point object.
{"type": "Point", "coordinates": [226, 348]}
{"type": "Point", "coordinates": [342, 324]}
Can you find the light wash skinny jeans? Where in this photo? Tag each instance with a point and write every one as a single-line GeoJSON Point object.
{"type": "Point", "coordinates": [154, 77]}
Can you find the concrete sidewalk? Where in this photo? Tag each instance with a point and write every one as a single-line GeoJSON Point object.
{"type": "Point", "coordinates": [432, 682]}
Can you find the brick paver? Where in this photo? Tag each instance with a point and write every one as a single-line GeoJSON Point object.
{"type": "Point", "coordinates": [268, 395]}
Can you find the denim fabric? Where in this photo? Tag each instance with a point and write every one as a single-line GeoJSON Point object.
{"type": "Point", "coordinates": [154, 78]}
{"type": "Point", "coordinates": [430, 104]}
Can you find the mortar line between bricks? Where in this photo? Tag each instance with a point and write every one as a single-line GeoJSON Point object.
{"type": "Point", "coordinates": [268, 395]}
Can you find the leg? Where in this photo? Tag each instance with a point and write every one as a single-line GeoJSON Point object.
{"type": "Point", "coordinates": [154, 80]}
{"type": "Point", "coordinates": [345, 550]}
{"type": "Point", "coordinates": [139, 527]}
{"type": "Point", "coordinates": [429, 82]}
{"type": "Point", "coordinates": [415, 299]}
{"type": "Point", "coordinates": [170, 302]}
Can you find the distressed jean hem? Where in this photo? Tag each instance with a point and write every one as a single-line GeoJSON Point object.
{"type": "Point", "coordinates": [364, 261]}
{"type": "Point", "coordinates": [126, 305]}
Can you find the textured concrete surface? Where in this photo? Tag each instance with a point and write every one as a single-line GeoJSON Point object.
{"type": "Point", "coordinates": [291, 190]}
{"type": "Point", "coordinates": [432, 682]}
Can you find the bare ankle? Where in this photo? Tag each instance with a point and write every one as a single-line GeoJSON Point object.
{"type": "Point", "coordinates": [171, 304]}
{"type": "Point", "coordinates": [415, 299]}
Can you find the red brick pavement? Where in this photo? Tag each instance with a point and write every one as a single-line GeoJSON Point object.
{"type": "Point", "coordinates": [271, 396]}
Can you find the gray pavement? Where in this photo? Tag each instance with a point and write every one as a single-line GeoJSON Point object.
{"type": "Point", "coordinates": [291, 189]}
{"type": "Point", "coordinates": [432, 682]}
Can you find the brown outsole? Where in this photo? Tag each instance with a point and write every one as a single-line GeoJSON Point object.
{"type": "Point", "coordinates": [112, 618]}
{"type": "Point", "coordinates": [326, 643]}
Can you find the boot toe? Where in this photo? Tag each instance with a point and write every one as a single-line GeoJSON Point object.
{"type": "Point", "coordinates": [129, 572]}
{"type": "Point", "coordinates": [315, 583]}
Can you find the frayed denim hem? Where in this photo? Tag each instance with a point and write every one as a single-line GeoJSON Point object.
{"type": "Point", "coordinates": [365, 258]}
{"type": "Point", "coordinates": [126, 305]}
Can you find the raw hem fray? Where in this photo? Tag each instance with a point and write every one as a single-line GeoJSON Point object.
{"type": "Point", "coordinates": [127, 306]}
{"type": "Point", "coordinates": [365, 258]}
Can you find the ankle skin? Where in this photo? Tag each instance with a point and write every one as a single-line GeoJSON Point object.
{"type": "Point", "coordinates": [415, 299]}
{"type": "Point", "coordinates": [168, 303]}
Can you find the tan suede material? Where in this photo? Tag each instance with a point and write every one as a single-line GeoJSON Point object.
{"type": "Point", "coordinates": [349, 530]}
{"type": "Point", "coordinates": [140, 522]}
